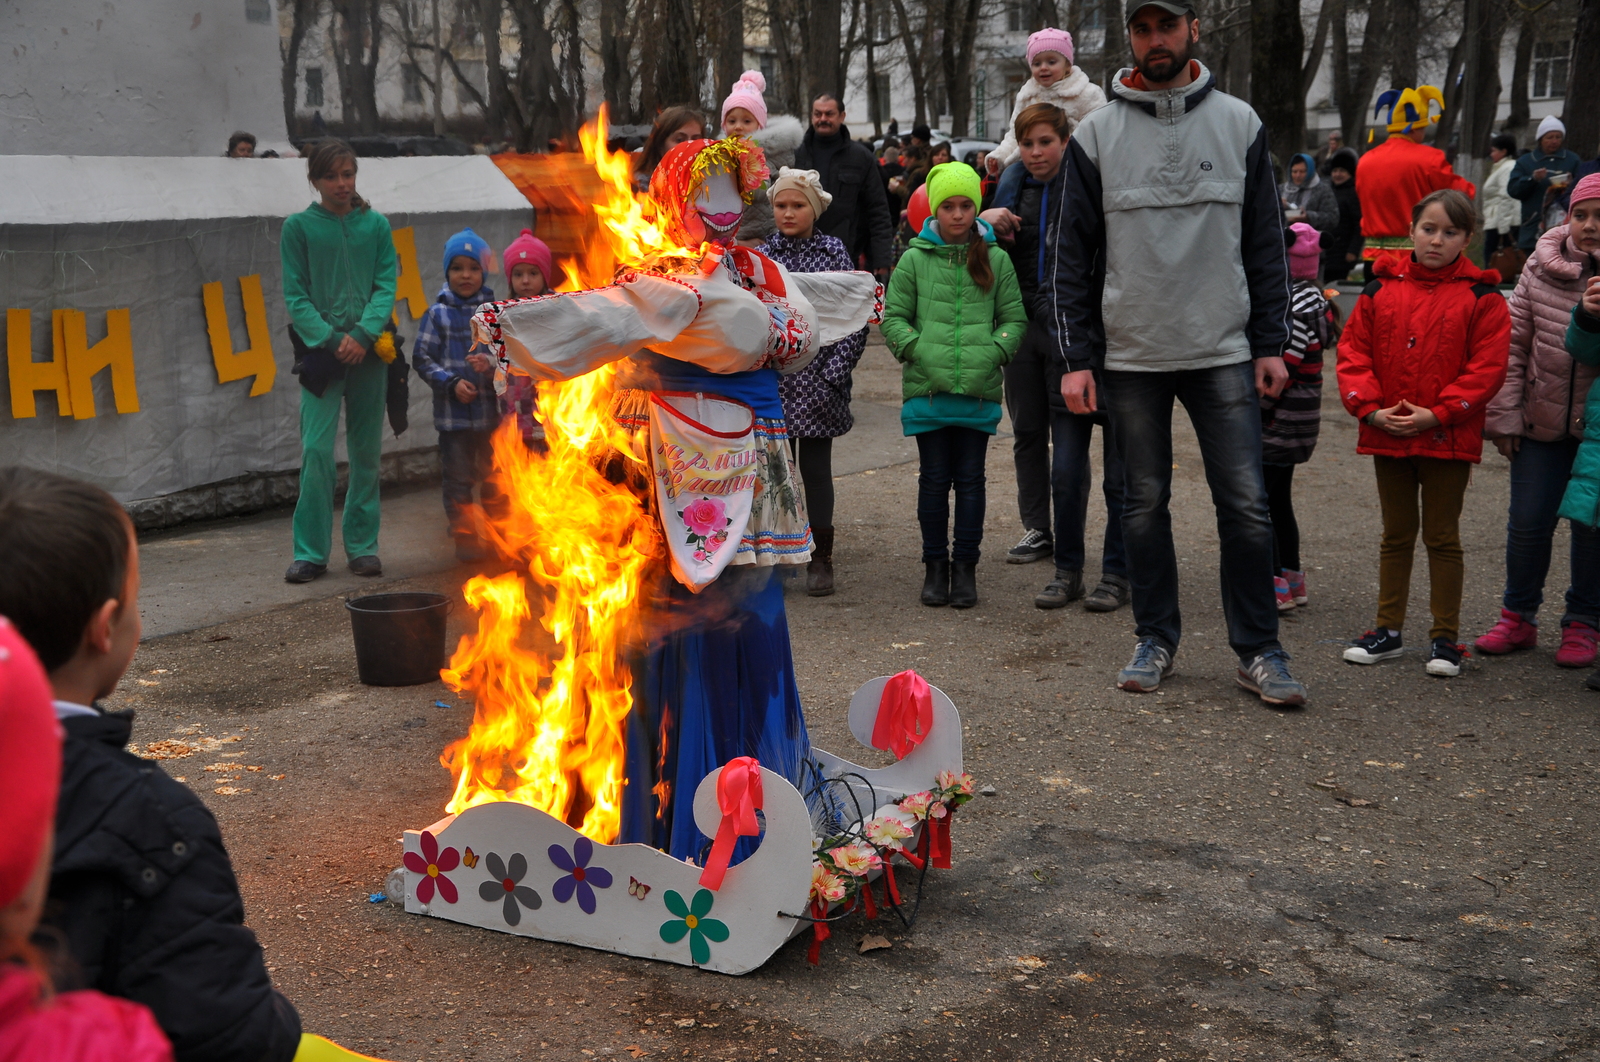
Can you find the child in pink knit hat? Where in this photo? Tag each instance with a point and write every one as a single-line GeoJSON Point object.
{"type": "Point", "coordinates": [528, 265]}
{"type": "Point", "coordinates": [1056, 81]}
{"type": "Point", "coordinates": [745, 109]}
{"type": "Point", "coordinates": [744, 113]}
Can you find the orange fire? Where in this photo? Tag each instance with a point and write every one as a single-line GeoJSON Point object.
{"type": "Point", "coordinates": [547, 667]}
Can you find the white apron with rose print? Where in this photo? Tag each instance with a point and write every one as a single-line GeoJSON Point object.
{"type": "Point", "coordinates": [706, 463]}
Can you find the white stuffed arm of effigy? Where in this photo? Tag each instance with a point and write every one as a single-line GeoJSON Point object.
{"type": "Point", "coordinates": [842, 303]}
{"type": "Point", "coordinates": [567, 334]}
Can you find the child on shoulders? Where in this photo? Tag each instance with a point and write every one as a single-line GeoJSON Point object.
{"type": "Point", "coordinates": [465, 408]}
{"type": "Point", "coordinates": [1054, 81]}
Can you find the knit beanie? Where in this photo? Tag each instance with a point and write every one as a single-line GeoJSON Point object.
{"type": "Point", "coordinates": [747, 94]}
{"type": "Point", "coordinates": [808, 183]}
{"type": "Point", "coordinates": [1304, 252]}
{"type": "Point", "coordinates": [467, 244]}
{"type": "Point", "coordinates": [1588, 188]}
{"type": "Point", "coordinates": [30, 748]}
{"type": "Point", "coordinates": [1550, 124]}
{"type": "Point", "coordinates": [1050, 40]}
{"type": "Point", "coordinates": [953, 178]}
{"type": "Point", "coordinates": [528, 248]}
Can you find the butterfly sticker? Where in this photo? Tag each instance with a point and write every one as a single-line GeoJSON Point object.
{"type": "Point", "coordinates": [471, 858]}
{"type": "Point", "coordinates": [637, 889]}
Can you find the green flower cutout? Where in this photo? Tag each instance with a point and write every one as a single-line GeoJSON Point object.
{"type": "Point", "coordinates": [692, 920]}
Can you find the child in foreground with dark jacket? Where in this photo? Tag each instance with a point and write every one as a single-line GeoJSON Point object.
{"type": "Point", "coordinates": [465, 408]}
{"type": "Point", "coordinates": [953, 317]}
{"type": "Point", "coordinates": [36, 1024]}
{"type": "Point", "coordinates": [141, 890]}
{"type": "Point", "coordinates": [1423, 354]}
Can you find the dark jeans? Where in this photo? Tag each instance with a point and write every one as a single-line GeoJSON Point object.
{"type": "Point", "coordinates": [1071, 485]}
{"type": "Point", "coordinates": [467, 461]}
{"type": "Point", "coordinates": [1224, 410]}
{"type": "Point", "coordinates": [1539, 472]}
{"type": "Point", "coordinates": [1027, 390]}
{"type": "Point", "coordinates": [1280, 508]}
{"type": "Point", "coordinates": [951, 457]}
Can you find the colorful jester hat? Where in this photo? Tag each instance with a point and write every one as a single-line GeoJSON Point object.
{"type": "Point", "coordinates": [1408, 108]}
{"type": "Point", "coordinates": [701, 188]}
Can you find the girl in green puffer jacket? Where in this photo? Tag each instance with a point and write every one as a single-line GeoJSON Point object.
{"type": "Point", "coordinates": [952, 318]}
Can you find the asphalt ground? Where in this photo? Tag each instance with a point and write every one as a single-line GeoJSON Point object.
{"type": "Point", "coordinates": [1400, 870]}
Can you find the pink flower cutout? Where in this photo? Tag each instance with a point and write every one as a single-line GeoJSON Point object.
{"type": "Point", "coordinates": [705, 516]}
{"type": "Point", "coordinates": [432, 864]}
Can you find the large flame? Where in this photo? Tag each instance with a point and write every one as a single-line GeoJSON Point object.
{"type": "Point", "coordinates": [548, 665]}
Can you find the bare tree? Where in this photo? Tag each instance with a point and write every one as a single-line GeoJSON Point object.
{"type": "Point", "coordinates": [957, 35]}
{"type": "Point", "coordinates": [618, 27]}
{"type": "Point", "coordinates": [914, 43]}
{"type": "Point", "coordinates": [357, 42]}
{"type": "Point", "coordinates": [1276, 89]}
{"type": "Point", "coordinates": [1581, 113]}
{"type": "Point", "coordinates": [302, 16]}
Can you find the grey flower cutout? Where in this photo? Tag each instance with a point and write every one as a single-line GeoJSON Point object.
{"type": "Point", "coordinates": [504, 886]}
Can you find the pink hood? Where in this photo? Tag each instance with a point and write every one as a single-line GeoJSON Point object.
{"type": "Point", "coordinates": [1544, 390]}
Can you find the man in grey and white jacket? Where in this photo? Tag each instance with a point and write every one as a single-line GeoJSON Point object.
{"type": "Point", "coordinates": [1171, 281]}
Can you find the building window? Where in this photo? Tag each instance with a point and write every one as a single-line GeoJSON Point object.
{"type": "Point", "coordinates": [1014, 18]}
{"type": "Point", "coordinates": [477, 75]}
{"type": "Point", "coordinates": [411, 83]}
{"type": "Point", "coordinates": [769, 70]}
{"type": "Point", "coordinates": [882, 98]}
{"type": "Point", "coordinates": [1550, 59]}
{"type": "Point", "coordinates": [1093, 16]}
{"type": "Point", "coordinates": [258, 10]}
{"type": "Point", "coordinates": [313, 86]}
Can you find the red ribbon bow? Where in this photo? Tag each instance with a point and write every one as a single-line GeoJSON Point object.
{"type": "Point", "coordinates": [905, 714]}
{"type": "Point", "coordinates": [739, 797]}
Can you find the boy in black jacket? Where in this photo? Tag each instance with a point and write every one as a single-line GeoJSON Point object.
{"type": "Point", "coordinates": [141, 889]}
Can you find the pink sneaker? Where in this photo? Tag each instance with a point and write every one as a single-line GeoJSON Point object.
{"type": "Point", "coordinates": [1285, 598]}
{"type": "Point", "coordinates": [1578, 645]}
{"type": "Point", "coordinates": [1297, 585]}
{"type": "Point", "coordinates": [1511, 633]}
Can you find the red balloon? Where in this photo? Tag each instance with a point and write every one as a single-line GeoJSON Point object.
{"type": "Point", "coordinates": [917, 212]}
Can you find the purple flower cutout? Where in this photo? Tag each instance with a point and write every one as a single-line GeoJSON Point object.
{"type": "Point", "coordinates": [580, 877]}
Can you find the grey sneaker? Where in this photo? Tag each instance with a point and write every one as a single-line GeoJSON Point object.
{"type": "Point", "coordinates": [1267, 676]}
{"type": "Point", "coordinates": [1066, 586]}
{"type": "Point", "coordinates": [1035, 546]}
{"type": "Point", "coordinates": [1110, 595]}
{"type": "Point", "coordinates": [1150, 664]}
{"type": "Point", "coordinates": [367, 566]}
{"type": "Point", "coordinates": [303, 571]}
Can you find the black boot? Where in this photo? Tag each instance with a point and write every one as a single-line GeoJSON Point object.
{"type": "Point", "coordinates": [819, 573]}
{"type": "Point", "coordinates": [936, 586]}
{"type": "Point", "coordinates": [963, 584]}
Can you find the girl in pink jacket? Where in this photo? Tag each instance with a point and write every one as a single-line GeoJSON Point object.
{"type": "Point", "coordinates": [1537, 422]}
{"type": "Point", "coordinates": [34, 1024]}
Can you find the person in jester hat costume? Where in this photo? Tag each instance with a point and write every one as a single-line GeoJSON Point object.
{"type": "Point", "coordinates": [1395, 175]}
{"type": "Point", "coordinates": [703, 338]}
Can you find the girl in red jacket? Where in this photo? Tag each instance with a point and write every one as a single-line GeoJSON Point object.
{"type": "Point", "coordinates": [1423, 354]}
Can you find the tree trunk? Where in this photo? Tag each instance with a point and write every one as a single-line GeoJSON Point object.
{"type": "Point", "coordinates": [1353, 113]}
{"type": "Point", "coordinates": [678, 68]}
{"type": "Point", "coordinates": [1275, 85]}
{"type": "Point", "coordinates": [504, 115]}
{"type": "Point", "coordinates": [824, 76]}
{"type": "Point", "coordinates": [1405, 23]}
{"type": "Point", "coordinates": [1319, 44]}
{"type": "Point", "coordinates": [1454, 86]}
{"type": "Point", "coordinates": [913, 55]}
{"type": "Point", "coordinates": [615, 71]}
{"type": "Point", "coordinates": [960, 31]}
{"type": "Point", "coordinates": [302, 14]}
{"type": "Point", "coordinates": [728, 25]}
{"type": "Point", "coordinates": [1581, 114]}
{"type": "Point", "coordinates": [1521, 66]}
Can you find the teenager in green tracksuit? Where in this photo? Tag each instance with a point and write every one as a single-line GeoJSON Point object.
{"type": "Point", "coordinates": [338, 281]}
{"type": "Point", "coordinates": [953, 317]}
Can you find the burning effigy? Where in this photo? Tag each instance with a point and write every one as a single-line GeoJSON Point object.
{"type": "Point", "coordinates": [638, 776]}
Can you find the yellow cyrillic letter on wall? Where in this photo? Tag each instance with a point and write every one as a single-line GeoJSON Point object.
{"type": "Point", "coordinates": [257, 361]}
{"type": "Point", "coordinates": [115, 352]}
{"type": "Point", "coordinates": [27, 375]}
{"type": "Point", "coordinates": [408, 285]}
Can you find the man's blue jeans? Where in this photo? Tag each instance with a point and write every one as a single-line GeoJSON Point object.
{"type": "Point", "coordinates": [1539, 473]}
{"type": "Point", "coordinates": [1071, 486]}
{"type": "Point", "coordinates": [1224, 410]}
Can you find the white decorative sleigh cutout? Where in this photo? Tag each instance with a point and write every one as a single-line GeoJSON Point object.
{"type": "Point", "coordinates": [513, 868]}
